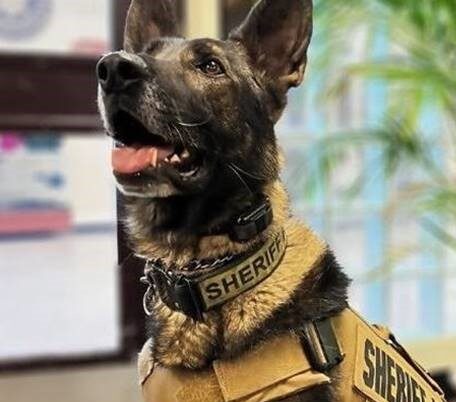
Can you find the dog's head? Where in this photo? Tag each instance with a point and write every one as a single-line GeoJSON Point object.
{"type": "Point", "coordinates": [194, 119]}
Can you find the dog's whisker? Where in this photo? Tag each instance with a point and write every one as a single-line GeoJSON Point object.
{"type": "Point", "coordinates": [179, 117]}
{"type": "Point", "coordinates": [199, 124]}
{"type": "Point", "coordinates": [192, 140]}
{"type": "Point", "coordinates": [177, 123]}
{"type": "Point", "coordinates": [188, 136]}
{"type": "Point", "coordinates": [244, 183]}
{"type": "Point", "coordinates": [253, 176]}
{"type": "Point", "coordinates": [181, 137]}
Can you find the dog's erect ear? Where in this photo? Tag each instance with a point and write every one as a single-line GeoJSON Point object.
{"type": "Point", "coordinates": [147, 20]}
{"type": "Point", "coordinates": [276, 35]}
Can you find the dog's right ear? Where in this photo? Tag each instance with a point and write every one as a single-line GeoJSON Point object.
{"type": "Point", "coordinates": [148, 20]}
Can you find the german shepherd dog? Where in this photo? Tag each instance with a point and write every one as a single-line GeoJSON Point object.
{"type": "Point", "coordinates": [194, 125]}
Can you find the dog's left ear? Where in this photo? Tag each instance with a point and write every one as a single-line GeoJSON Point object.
{"type": "Point", "coordinates": [148, 20]}
{"type": "Point", "coordinates": [276, 35]}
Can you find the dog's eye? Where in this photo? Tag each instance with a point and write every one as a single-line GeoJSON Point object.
{"type": "Point", "coordinates": [211, 67]}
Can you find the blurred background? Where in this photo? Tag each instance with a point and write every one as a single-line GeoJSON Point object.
{"type": "Point", "coordinates": [370, 142]}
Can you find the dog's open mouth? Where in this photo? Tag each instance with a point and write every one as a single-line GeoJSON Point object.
{"type": "Point", "coordinates": [150, 165]}
{"type": "Point", "coordinates": [140, 152]}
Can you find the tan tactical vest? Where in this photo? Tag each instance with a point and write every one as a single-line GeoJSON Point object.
{"type": "Point", "coordinates": [374, 368]}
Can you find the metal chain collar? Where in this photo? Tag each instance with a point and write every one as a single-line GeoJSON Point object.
{"type": "Point", "coordinates": [194, 265]}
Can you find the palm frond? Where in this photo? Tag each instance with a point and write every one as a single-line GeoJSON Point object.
{"type": "Point", "coordinates": [419, 74]}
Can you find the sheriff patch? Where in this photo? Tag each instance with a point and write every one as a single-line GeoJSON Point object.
{"type": "Point", "coordinates": [239, 278]}
{"type": "Point", "coordinates": [383, 375]}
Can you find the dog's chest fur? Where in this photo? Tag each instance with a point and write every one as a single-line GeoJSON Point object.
{"type": "Point", "coordinates": [308, 284]}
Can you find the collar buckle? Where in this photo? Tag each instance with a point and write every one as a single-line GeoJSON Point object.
{"type": "Point", "coordinates": [151, 291]}
{"type": "Point", "coordinates": [252, 222]}
{"type": "Point", "coordinates": [178, 292]}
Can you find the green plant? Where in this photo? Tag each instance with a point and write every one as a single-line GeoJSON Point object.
{"type": "Point", "coordinates": [419, 72]}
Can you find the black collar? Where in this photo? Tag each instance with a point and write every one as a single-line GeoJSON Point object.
{"type": "Point", "coordinates": [215, 282]}
{"type": "Point", "coordinates": [250, 223]}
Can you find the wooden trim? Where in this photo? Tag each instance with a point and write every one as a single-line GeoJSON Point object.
{"type": "Point", "coordinates": [61, 122]}
{"type": "Point", "coordinates": [48, 93]}
{"type": "Point", "coordinates": [26, 62]}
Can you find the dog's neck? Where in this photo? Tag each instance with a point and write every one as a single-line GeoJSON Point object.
{"type": "Point", "coordinates": [308, 278]}
{"type": "Point", "coordinates": [215, 246]}
{"type": "Point", "coordinates": [308, 284]}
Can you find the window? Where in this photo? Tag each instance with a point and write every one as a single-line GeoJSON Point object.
{"type": "Point", "coordinates": [402, 275]}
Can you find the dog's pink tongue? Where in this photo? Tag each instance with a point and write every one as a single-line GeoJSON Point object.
{"type": "Point", "coordinates": [134, 160]}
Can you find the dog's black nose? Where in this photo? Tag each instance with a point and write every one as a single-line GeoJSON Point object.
{"type": "Point", "coordinates": [115, 73]}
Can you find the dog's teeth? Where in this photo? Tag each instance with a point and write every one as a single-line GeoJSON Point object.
{"type": "Point", "coordinates": [185, 154]}
{"type": "Point", "coordinates": [187, 175]}
{"type": "Point", "coordinates": [154, 157]}
{"type": "Point", "coordinates": [175, 159]}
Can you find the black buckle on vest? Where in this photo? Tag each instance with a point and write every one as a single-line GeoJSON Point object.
{"type": "Point", "coordinates": [252, 222]}
{"type": "Point", "coordinates": [320, 343]}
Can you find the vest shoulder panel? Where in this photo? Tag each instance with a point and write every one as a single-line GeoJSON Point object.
{"type": "Point", "coordinates": [375, 368]}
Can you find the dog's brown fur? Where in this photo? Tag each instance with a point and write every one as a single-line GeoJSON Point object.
{"type": "Point", "coordinates": [245, 104]}
{"type": "Point", "coordinates": [183, 342]}
{"type": "Point", "coordinates": [286, 300]}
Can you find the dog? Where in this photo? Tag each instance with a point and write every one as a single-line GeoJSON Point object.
{"type": "Point", "coordinates": [193, 122]}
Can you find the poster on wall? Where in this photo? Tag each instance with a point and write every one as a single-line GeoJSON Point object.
{"type": "Point", "coordinates": [54, 26]}
{"type": "Point", "coordinates": [45, 185]}
{"type": "Point", "coordinates": [33, 195]}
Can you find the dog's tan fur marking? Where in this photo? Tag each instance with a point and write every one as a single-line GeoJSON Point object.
{"type": "Point", "coordinates": [184, 342]}
{"type": "Point", "coordinates": [252, 309]}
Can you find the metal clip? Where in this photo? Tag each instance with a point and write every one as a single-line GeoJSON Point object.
{"type": "Point", "coordinates": [252, 222]}
{"type": "Point", "coordinates": [321, 345]}
{"type": "Point", "coordinates": [150, 292]}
